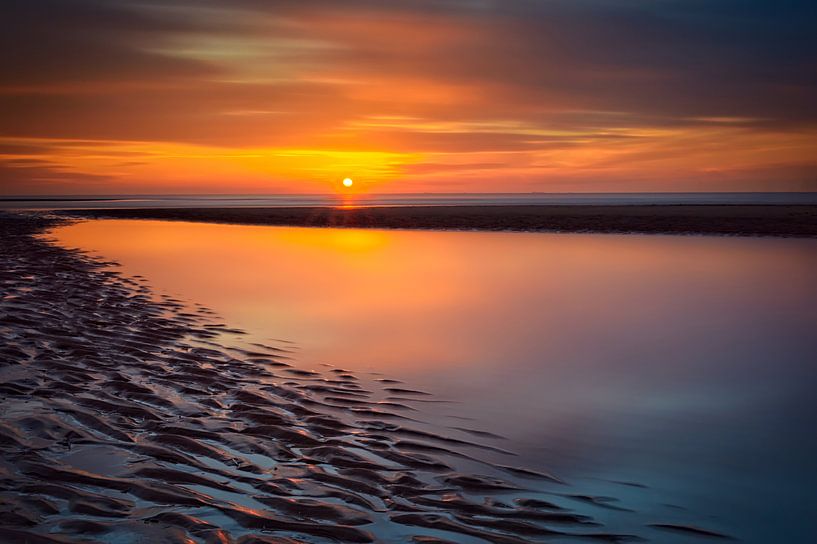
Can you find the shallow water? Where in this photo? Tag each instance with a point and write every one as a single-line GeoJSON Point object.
{"type": "Point", "coordinates": [683, 365]}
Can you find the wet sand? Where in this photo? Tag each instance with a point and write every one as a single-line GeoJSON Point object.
{"type": "Point", "coordinates": [737, 220]}
{"type": "Point", "coordinates": [125, 416]}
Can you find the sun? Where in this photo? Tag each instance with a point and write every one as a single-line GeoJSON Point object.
{"type": "Point", "coordinates": [347, 182]}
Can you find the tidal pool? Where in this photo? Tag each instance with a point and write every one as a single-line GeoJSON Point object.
{"type": "Point", "coordinates": [674, 373]}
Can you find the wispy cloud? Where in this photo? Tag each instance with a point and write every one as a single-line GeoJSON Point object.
{"type": "Point", "coordinates": [479, 95]}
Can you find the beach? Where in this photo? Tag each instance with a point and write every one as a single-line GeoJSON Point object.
{"type": "Point", "coordinates": [124, 417]}
{"type": "Point", "coordinates": [737, 220]}
{"type": "Point", "coordinates": [381, 396]}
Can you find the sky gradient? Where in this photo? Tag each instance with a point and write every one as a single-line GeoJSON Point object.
{"type": "Point", "coordinates": [253, 96]}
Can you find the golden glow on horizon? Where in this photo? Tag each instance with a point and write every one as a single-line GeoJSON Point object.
{"type": "Point", "coordinates": [629, 159]}
{"type": "Point", "coordinates": [281, 99]}
{"type": "Point", "coordinates": [348, 182]}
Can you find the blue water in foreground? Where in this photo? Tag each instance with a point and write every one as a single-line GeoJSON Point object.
{"type": "Point", "coordinates": [404, 199]}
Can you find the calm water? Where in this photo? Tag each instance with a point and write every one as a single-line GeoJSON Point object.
{"type": "Point", "coordinates": [405, 199]}
{"type": "Point", "coordinates": [685, 364]}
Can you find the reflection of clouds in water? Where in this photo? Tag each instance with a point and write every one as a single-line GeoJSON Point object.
{"type": "Point", "coordinates": [652, 349]}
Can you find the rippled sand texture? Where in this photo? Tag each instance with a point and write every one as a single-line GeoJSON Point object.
{"type": "Point", "coordinates": [124, 420]}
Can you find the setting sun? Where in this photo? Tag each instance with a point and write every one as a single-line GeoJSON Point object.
{"type": "Point", "coordinates": [347, 182]}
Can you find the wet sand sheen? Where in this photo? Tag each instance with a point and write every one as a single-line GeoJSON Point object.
{"type": "Point", "coordinates": [123, 416]}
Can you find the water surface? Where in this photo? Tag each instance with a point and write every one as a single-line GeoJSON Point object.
{"type": "Point", "coordinates": [685, 365]}
{"type": "Point", "coordinates": [397, 199]}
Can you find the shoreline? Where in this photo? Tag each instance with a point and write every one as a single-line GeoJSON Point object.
{"type": "Point", "coordinates": [128, 415]}
{"type": "Point", "coordinates": [796, 221]}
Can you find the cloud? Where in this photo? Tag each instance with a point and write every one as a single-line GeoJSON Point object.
{"type": "Point", "coordinates": [556, 79]}
{"type": "Point", "coordinates": [54, 42]}
{"type": "Point", "coordinates": [35, 177]}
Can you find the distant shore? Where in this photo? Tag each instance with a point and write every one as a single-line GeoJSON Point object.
{"type": "Point", "coordinates": [734, 220]}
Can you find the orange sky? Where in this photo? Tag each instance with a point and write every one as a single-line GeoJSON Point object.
{"type": "Point", "coordinates": [246, 96]}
